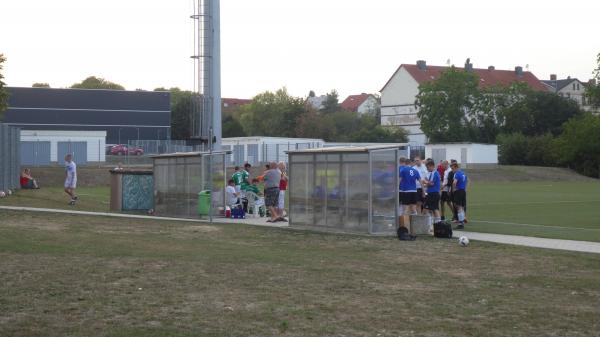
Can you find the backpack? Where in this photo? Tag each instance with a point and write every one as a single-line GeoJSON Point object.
{"type": "Point", "coordinates": [442, 229]}
{"type": "Point", "coordinates": [403, 234]}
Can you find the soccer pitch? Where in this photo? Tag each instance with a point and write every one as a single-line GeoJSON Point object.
{"type": "Point", "coordinates": [66, 275]}
{"type": "Point", "coordinates": [561, 210]}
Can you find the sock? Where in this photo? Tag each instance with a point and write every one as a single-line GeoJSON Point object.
{"type": "Point", "coordinates": [461, 216]}
{"type": "Point", "coordinates": [401, 209]}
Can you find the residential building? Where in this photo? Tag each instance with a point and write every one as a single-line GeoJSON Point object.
{"type": "Point", "coordinates": [316, 102]}
{"type": "Point", "coordinates": [570, 88]}
{"type": "Point", "coordinates": [399, 94]}
{"type": "Point", "coordinates": [363, 103]}
{"type": "Point", "coordinates": [229, 105]}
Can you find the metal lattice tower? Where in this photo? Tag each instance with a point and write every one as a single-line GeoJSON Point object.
{"type": "Point", "coordinates": [206, 117]}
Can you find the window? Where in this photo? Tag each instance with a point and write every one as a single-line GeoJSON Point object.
{"type": "Point", "coordinates": [568, 95]}
{"type": "Point", "coordinates": [573, 86]}
{"type": "Point", "coordinates": [577, 86]}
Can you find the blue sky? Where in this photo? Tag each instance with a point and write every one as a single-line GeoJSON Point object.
{"type": "Point", "coordinates": [352, 46]}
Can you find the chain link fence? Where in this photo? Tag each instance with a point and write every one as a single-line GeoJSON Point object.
{"type": "Point", "coordinates": [9, 157]}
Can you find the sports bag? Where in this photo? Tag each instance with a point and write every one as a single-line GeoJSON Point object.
{"type": "Point", "coordinates": [442, 229]}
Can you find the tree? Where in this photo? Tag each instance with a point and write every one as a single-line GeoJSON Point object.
{"type": "Point", "coordinates": [448, 107]}
{"type": "Point", "coordinates": [331, 103]}
{"type": "Point", "coordinates": [592, 92]}
{"type": "Point", "coordinates": [579, 144]}
{"type": "Point", "coordinates": [3, 92]}
{"type": "Point", "coordinates": [538, 113]}
{"type": "Point", "coordinates": [182, 109]}
{"type": "Point", "coordinates": [272, 114]}
{"type": "Point", "coordinates": [93, 82]}
{"type": "Point", "coordinates": [40, 85]}
{"type": "Point", "coordinates": [232, 127]}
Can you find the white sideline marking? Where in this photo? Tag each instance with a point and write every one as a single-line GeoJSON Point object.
{"type": "Point", "coordinates": [533, 225]}
{"type": "Point", "coordinates": [534, 202]}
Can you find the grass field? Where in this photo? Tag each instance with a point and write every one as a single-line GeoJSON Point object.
{"type": "Point", "coordinates": [561, 210]}
{"type": "Point", "coordinates": [94, 276]}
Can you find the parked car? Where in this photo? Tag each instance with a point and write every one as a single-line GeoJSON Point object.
{"type": "Point", "coordinates": [120, 150]}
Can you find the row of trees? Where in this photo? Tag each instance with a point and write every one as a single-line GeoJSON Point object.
{"type": "Point", "coordinates": [530, 127]}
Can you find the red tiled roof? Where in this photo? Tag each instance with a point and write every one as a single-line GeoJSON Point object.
{"type": "Point", "coordinates": [235, 101]}
{"type": "Point", "coordinates": [354, 101]}
{"type": "Point", "coordinates": [487, 77]}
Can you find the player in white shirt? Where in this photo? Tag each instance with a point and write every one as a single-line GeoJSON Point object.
{"type": "Point", "coordinates": [233, 196]}
{"type": "Point", "coordinates": [422, 169]}
{"type": "Point", "coordinates": [71, 178]}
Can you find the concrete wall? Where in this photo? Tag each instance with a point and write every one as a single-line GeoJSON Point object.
{"type": "Point", "coordinates": [96, 142]}
{"type": "Point", "coordinates": [475, 153]}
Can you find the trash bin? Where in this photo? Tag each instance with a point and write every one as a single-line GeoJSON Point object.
{"type": "Point", "coordinates": [204, 202]}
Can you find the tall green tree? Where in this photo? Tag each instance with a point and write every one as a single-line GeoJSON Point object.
{"type": "Point", "coordinates": [332, 102]}
{"type": "Point", "coordinates": [449, 106]}
{"type": "Point", "coordinates": [272, 114]}
{"type": "Point", "coordinates": [579, 144]}
{"type": "Point", "coordinates": [94, 82]}
{"type": "Point", "coordinates": [593, 91]}
{"type": "Point", "coordinates": [3, 92]}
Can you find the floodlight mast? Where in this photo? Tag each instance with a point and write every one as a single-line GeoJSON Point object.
{"type": "Point", "coordinates": [206, 116]}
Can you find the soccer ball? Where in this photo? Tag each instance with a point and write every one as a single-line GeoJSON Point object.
{"type": "Point", "coordinates": [9, 192]}
{"type": "Point", "coordinates": [2, 194]}
{"type": "Point", "coordinates": [463, 241]}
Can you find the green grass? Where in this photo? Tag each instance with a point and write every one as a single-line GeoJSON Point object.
{"type": "Point", "coordinates": [91, 199]}
{"type": "Point", "coordinates": [560, 210]}
{"type": "Point", "coordinates": [563, 210]}
{"type": "Point", "coordinates": [64, 275]}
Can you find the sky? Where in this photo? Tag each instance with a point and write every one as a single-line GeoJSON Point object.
{"type": "Point", "coordinates": [348, 45]}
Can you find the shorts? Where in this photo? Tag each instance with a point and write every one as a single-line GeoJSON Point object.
{"type": "Point", "coordinates": [71, 183]}
{"type": "Point", "coordinates": [281, 199]}
{"type": "Point", "coordinates": [408, 198]}
{"type": "Point", "coordinates": [271, 196]}
{"type": "Point", "coordinates": [432, 202]}
{"type": "Point", "coordinates": [420, 197]}
{"type": "Point", "coordinates": [460, 198]}
{"type": "Point", "coordinates": [446, 196]}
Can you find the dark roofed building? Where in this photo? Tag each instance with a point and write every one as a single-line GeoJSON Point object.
{"type": "Point", "coordinates": [124, 115]}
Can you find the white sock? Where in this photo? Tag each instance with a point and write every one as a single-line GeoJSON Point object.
{"type": "Point", "coordinates": [461, 216]}
{"type": "Point", "coordinates": [401, 209]}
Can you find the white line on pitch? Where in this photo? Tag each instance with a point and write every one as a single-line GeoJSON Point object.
{"type": "Point", "coordinates": [534, 202]}
{"type": "Point", "coordinates": [532, 225]}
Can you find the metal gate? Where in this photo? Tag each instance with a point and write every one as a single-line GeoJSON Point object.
{"type": "Point", "coordinates": [77, 149]}
{"type": "Point", "coordinates": [239, 155]}
{"type": "Point", "coordinates": [35, 153]}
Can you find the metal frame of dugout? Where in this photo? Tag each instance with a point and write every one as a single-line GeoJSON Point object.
{"type": "Point", "coordinates": [181, 178]}
{"type": "Point", "coordinates": [348, 189]}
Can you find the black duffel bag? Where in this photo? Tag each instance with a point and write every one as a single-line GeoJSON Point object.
{"type": "Point", "coordinates": [442, 229]}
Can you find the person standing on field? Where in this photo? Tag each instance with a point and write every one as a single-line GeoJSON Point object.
{"type": "Point", "coordinates": [420, 167]}
{"type": "Point", "coordinates": [433, 183]}
{"type": "Point", "coordinates": [272, 180]}
{"type": "Point", "coordinates": [282, 188]}
{"type": "Point", "coordinates": [237, 179]}
{"type": "Point", "coordinates": [408, 186]}
{"type": "Point", "coordinates": [71, 178]}
{"type": "Point", "coordinates": [459, 194]}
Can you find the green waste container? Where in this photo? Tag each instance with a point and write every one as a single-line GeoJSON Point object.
{"type": "Point", "coordinates": [204, 202]}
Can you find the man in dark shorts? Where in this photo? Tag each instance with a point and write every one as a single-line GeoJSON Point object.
{"type": "Point", "coordinates": [272, 180]}
{"type": "Point", "coordinates": [408, 185]}
{"type": "Point", "coordinates": [420, 167]}
{"type": "Point", "coordinates": [459, 194]}
{"type": "Point", "coordinates": [433, 184]}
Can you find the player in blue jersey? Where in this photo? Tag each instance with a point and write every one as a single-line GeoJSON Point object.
{"type": "Point", "coordinates": [459, 194]}
{"type": "Point", "coordinates": [408, 186]}
{"type": "Point", "coordinates": [433, 185]}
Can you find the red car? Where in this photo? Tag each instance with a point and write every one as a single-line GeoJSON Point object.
{"type": "Point", "coordinates": [121, 150]}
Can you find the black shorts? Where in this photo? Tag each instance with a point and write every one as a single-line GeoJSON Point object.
{"type": "Point", "coordinates": [460, 198]}
{"type": "Point", "coordinates": [420, 197]}
{"type": "Point", "coordinates": [446, 196]}
{"type": "Point", "coordinates": [408, 198]}
{"type": "Point", "coordinates": [432, 202]}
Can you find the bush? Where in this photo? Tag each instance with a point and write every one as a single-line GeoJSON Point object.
{"type": "Point", "coordinates": [579, 145]}
{"type": "Point", "coordinates": [517, 149]}
{"type": "Point", "coordinates": [512, 149]}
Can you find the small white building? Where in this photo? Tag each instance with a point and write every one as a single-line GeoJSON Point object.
{"type": "Point", "coordinates": [42, 147]}
{"type": "Point", "coordinates": [465, 153]}
{"type": "Point", "coordinates": [256, 150]}
{"type": "Point", "coordinates": [363, 103]}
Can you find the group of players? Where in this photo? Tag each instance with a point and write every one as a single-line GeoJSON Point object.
{"type": "Point", "coordinates": [425, 189]}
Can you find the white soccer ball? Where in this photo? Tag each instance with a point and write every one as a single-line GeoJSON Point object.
{"type": "Point", "coordinates": [2, 194]}
{"type": "Point", "coordinates": [463, 241]}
